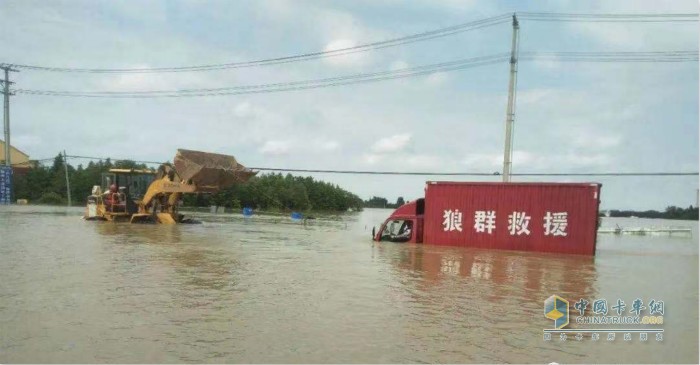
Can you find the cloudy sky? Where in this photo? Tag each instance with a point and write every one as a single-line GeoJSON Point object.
{"type": "Point", "coordinates": [571, 117]}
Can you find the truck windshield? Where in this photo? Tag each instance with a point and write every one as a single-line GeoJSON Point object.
{"type": "Point", "coordinates": [397, 231]}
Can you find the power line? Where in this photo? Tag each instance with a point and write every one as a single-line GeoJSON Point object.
{"type": "Point", "coordinates": [422, 173]}
{"type": "Point", "coordinates": [410, 173]}
{"type": "Point", "coordinates": [423, 36]}
{"type": "Point", "coordinates": [288, 86]}
{"type": "Point", "coordinates": [359, 172]}
{"type": "Point", "coordinates": [112, 159]}
{"type": "Point", "coordinates": [33, 161]}
{"type": "Point", "coordinates": [662, 56]}
{"type": "Point", "coordinates": [429, 67]}
{"type": "Point", "coordinates": [437, 33]}
{"type": "Point", "coordinates": [618, 53]}
{"type": "Point", "coordinates": [609, 17]}
{"type": "Point", "coordinates": [650, 57]}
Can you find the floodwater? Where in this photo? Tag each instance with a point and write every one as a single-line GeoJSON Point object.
{"type": "Point", "coordinates": [266, 289]}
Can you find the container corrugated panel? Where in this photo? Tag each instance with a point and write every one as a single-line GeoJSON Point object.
{"type": "Point", "coordinates": [545, 217]}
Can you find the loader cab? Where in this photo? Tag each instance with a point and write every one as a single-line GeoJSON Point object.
{"type": "Point", "coordinates": [131, 182]}
{"type": "Point", "coordinates": [405, 224]}
{"type": "Point", "coordinates": [131, 186]}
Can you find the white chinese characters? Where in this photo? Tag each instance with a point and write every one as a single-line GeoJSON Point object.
{"type": "Point", "coordinates": [517, 223]}
{"type": "Point", "coordinates": [453, 220]}
{"type": "Point", "coordinates": [485, 221]}
{"type": "Point", "coordinates": [555, 224]}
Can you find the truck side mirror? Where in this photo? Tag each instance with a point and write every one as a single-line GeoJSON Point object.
{"type": "Point", "coordinates": [373, 233]}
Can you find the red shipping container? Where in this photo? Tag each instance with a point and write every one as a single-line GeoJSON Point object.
{"type": "Point", "coordinates": [545, 217]}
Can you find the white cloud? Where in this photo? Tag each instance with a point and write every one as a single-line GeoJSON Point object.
{"type": "Point", "coordinates": [436, 78]}
{"type": "Point", "coordinates": [592, 160]}
{"type": "Point", "coordinates": [151, 81]}
{"type": "Point", "coordinates": [597, 142]}
{"type": "Point", "coordinates": [655, 36]}
{"type": "Point", "coordinates": [278, 9]}
{"type": "Point", "coordinates": [454, 5]}
{"type": "Point", "coordinates": [26, 141]}
{"type": "Point", "coordinates": [426, 162]}
{"type": "Point", "coordinates": [533, 96]}
{"type": "Point", "coordinates": [550, 63]}
{"type": "Point", "coordinates": [330, 27]}
{"type": "Point", "coordinates": [275, 148]}
{"type": "Point", "coordinates": [344, 59]}
{"type": "Point", "coordinates": [329, 145]}
{"type": "Point", "coordinates": [570, 117]}
{"type": "Point", "coordinates": [559, 162]}
{"type": "Point", "coordinates": [478, 161]}
{"type": "Point", "coordinates": [371, 158]}
{"type": "Point", "coordinates": [398, 65]}
{"type": "Point", "coordinates": [392, 144]}
{"type": "Point", "coordinates": [526, 161]}
{"type": "Point", "coordinates": [407, 162]}
{"type": "Point", "coordinates": [243, 110]}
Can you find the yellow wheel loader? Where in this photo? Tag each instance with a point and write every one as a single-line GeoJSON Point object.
{"type": "Point", "coordinates": [147, 196]}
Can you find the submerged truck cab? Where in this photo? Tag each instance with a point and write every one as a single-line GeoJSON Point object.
{"type": "Point", "coordinates": [543, 217]}
{"type": "Point", "coordinates": [405, 224]}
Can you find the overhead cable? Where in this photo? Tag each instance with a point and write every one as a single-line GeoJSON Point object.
{"type": "Point", "coordinates": [662, 56]}
{"type": "Point", "coordinates": [649, 57]}
{"type": "Point", "coordinates": [359, 172]}
{"type": "Point", "coordinates": [417, 37]}
{"type": "Point", "coordinates": [437, 33]}
{"type": "Point", "coordinates": [428, 173]}
{"type": "Point", "coordinates": [610, 17]}
{"type": "Point", "coordinates": [287, 86]}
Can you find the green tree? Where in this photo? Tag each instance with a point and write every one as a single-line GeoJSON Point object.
{"type": "Point", "coordinates": [377, 202]}
{"type": "Point", "coordinates": [400, 202]}
{"type": "Point", "coordinates": [266, 191]}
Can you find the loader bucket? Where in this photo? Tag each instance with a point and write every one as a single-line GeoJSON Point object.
{"type": "Point", "coordinates": [142, 218]}
{"type": "Point", "coordinates": [211, 172]}
{"type": "Point", "coordinates": [163, 218]}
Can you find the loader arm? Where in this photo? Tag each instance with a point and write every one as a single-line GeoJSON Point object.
{"type": "Point", "coordinates": [164, 185]}
{"type": "Point", "coordinates": [192, 172]}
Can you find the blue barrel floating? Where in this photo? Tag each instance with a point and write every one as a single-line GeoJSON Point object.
{"type": "Point", "coordinates": [296, 216]}
{"type": "Point", "coordinates": [247, 212]}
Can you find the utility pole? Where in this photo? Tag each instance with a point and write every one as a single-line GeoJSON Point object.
{"type": "Point", "coordinates": [6, 116]}
{"type": "Point", "coordinates": [510, 110]}
{"type": "Point", "coordinates": [65, 167]}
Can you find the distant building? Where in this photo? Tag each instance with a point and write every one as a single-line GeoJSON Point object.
{"type": "Point", "coordinates": [20, 160]}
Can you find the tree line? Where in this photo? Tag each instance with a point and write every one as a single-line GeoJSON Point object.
{"type": "Point", "coordinates": [47, 185]}
{"type": "Point", "coordinates": [281, 192]}
{"type": "Point", "coordinates": [379, 202]}
{"type": "Point", "coordinates": [671, 212]}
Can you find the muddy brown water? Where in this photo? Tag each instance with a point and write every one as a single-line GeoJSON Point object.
{"type": "Point", "coordinates": [266, 289]}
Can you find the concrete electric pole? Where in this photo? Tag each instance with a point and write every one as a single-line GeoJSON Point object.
{"type": "Point", "coordinates": [510, 110]}
{"type": "Point", "coordinates": [65, 168]}
{"type": "Point", "coordinates": [6, 116]}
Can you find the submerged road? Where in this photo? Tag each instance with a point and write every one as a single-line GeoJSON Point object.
{"type": "Point", "coordinates": [266, 289]}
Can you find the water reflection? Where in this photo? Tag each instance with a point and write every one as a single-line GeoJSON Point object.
{"type": "Point", "coordinates": [486, 303]}
{"type": "Point", "coordinates": [261, 290]}
{"type": "Point", "coordinates": [139, 233]}
{"type": "Point", "coordinates": [509, 273]}
{"type": "Point", "coordinates": [179, 253]}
